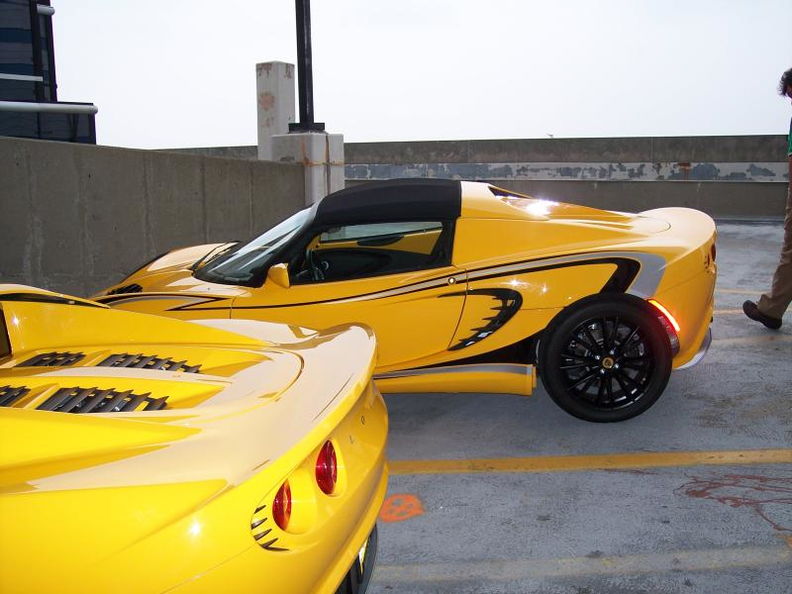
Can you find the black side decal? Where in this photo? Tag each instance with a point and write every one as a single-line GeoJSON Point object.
{"type": "Point", "coordinates": [622, 278]}
{"type": "Point", "coordinates": [39, 298]}
{"type": "Point", "coordinates": [508, 304]}
{"type": "Point", "coordinates": [620, 281]}
{"type": "Point", "coordinates": [110, 299]}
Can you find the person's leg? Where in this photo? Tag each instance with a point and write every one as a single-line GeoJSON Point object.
{"type": "Point", "coordinates": [775, 302]}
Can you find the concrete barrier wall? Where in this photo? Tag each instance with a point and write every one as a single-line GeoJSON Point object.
{"type": "Point", "coordinates": [725, 176]}
{"type": "Point", "coordinates": [77, 218]}
{"type": "Point", "coordinates": [624, 150]}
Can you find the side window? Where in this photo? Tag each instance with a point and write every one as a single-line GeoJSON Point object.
{"type": "Point", "coordinates": [359, 251]}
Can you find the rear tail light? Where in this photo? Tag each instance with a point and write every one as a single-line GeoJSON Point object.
{"type": "Point", "coordinates": [327, 468]}
{"type": "Point", "coordinates": [666, 313]}
{"type": "Point", "coordinates": [669, 323]}
{"type": "Point", "coordinates": [281, 506]}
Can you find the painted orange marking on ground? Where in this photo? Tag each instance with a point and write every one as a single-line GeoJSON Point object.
{"type": "Point", "coordinates": [595, 462]}
{"type": "Point", "coordinates": [400, 507]}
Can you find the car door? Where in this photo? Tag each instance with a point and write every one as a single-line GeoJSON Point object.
{"type": "Point", "coordinates": [395, 277]}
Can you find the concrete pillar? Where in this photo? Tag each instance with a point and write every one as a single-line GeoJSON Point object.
{"type": "Point", "coordinates": [275, 101]}
{"type": "Point", "coordinates": [320, 153]}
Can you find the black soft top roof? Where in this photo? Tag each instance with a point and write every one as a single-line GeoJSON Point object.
{"type": "Point", "coordinates": [392, 200]}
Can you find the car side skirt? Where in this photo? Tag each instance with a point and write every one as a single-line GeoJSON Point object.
{"type": "Point", "coordinates": [495, 378]}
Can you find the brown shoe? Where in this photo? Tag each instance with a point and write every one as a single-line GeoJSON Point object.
{"type": "Point", "coordinates": [752, 311]}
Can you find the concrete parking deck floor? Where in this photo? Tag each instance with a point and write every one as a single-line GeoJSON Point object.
{"type": "Point", "coordinates": [507, 494]}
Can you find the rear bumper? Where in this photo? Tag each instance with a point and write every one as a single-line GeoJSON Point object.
{"type": "Point", "coordinates": [249, 572]}
{"type": "Point", "coordinates": [319, 559]}
{"type": "Point", "coordinates": [357, 579]}
{"type": "Point", "coordinates": [703, 349]}
{"type": "Point", "coordinates": [692, 303]}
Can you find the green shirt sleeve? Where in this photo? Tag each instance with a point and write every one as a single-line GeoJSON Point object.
{"type": "Point", "coordinates": [789, 140]}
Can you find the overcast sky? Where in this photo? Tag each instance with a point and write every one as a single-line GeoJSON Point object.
{"type": "Point", "coordinates": [181, 73]}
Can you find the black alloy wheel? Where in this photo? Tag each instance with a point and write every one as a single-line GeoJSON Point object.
{"type": "Point", "coordinates": [606, 359]}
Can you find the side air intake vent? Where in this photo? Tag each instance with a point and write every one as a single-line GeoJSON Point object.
{"type": "Point", "coordinates": [10, 394]}
{"type": "Point", "coordinates": [93, 400]}
{"type": "Point", "coordinates": [52, 360]}
{"type": "Point", "coordinates": [140, 361]}
{"type": "Point", "coordinates": [133, 288]}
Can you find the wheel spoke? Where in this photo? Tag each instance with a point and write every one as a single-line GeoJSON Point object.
{"type": "Point", "coordinates": [629, 338]}
{"type": "Point", "coordinates": [575, 366]}
{"type": "Point", "coordinates": [624, 389]}
{"type": "Point", "coordinates": [614, 333]}
{"type": "Point", "coordinates": [609, 390]}
{"type": "Point", "coordinates": [589, 377]}
{"type": "Point", "coordinates": [603, 328]}
{"type": "Point", "coordinates": [577, 357]}
{"type": "Point", "coordinates": [593, 340]}
{"type": "Point", "coordinates": [641, 364]}
{"type": "Point", "coordinates": [588, 346]}
{"type": "Point", "coordinates": [629, 380]}
{"type": "Point", "coordinates": [587, 385]}
{"type": "Point", "coordinates": [601, 389]}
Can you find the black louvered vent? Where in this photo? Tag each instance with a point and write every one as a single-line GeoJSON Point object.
{"type": "Point", "coordinates": [140, 361]}
{"type": "Point", "coordinates": [10, 394]}
{"type": "Point", "coordinates": [52, 360]}
{"type": "Point", "coordinates": [133, 288]}
{"type": "Point", "coordinates": [260, 532]}
{"type": "Point", "coordinates": [93, 400]}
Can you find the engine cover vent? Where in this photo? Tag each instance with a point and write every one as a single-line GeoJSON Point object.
{"type": "Point", "coordinates": [52, 360]}
{"type": "Point", "coordinates": [133, 288]}
{"type": "Point", "coordinates": [94, 400]}
{"type": "Point", "coordinates": [10, 394]}
{"type": "Point", "coordinates": [140, 361]}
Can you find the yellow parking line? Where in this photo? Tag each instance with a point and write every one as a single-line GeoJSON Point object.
{"type": "Point", "coordinates": [727, 312]}
{"type": "Point", "coordinates": [765, 338]}
{"type": "Point", "coordinates": [593, 462]}
{"type": "Point", "coordinates": [505, 570]}
{"type": "Point", "coordinates": [740, 291]}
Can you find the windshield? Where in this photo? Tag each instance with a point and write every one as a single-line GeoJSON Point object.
{"type": "Point", "coordinates": [244, 262]}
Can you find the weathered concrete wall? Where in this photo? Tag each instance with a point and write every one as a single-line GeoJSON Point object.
{"type": "Point", "coordinates": [725, 176]}
{"type": "Point", "coordinates": [727, 200]}
{"type": "Point", "coordinates": [623, 150]}
{"type": "Point", "coordinates": [249, 152]}
{"type": "Point", "coordinates": [76, 218]}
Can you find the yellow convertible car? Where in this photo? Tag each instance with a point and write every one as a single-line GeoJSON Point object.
{"type": "Point", "coordinates": [468, 287]}
{"type": "Point", "coordinates": [143, 454]}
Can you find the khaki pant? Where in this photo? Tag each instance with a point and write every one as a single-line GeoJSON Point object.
{"type": "Point", "coordinates": [775, 303]}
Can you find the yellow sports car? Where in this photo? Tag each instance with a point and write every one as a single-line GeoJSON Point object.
{"type": "Point", "coordinates": [468, 286]}
{"type": "Point", "coordinates": [143, 454]}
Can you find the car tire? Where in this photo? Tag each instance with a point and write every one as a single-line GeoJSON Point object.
{"type": "Point", "coordinates": [606, 358]}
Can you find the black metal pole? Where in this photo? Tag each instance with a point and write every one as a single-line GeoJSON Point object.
{"type": "Point", "coordinates": [304, 70]}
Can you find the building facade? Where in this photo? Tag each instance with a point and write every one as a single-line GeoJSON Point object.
{"type": "Point", "coordinates": [29, 106]}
